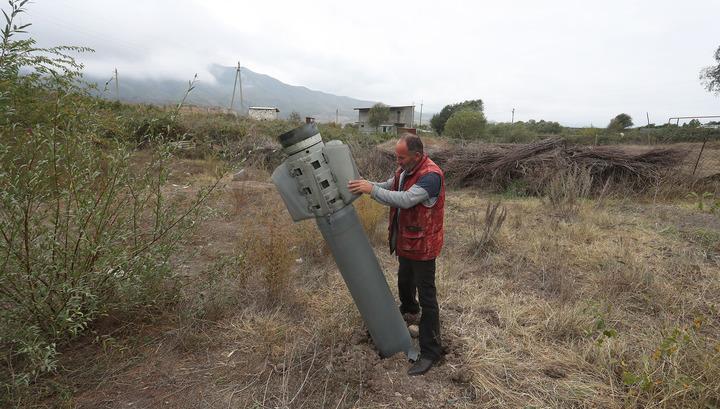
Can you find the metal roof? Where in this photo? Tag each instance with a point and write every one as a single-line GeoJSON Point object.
{"type": "Point", "coordinates": [390, 107]}
{"type": "Point", "coordinates": [265, 108]}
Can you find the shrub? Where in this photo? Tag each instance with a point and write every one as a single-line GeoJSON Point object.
{"type": "Point", "coordinates": [81, 232]}
{"type": "Point", "coordinates": [294, 118]}
{"type": "Point", "coordinates": [511, 133]}
{"type": "Point", "coordinates": [271, 251]}
{"type": "Point", "coordinates": [620, 122]}
{"type": "Point", "coordinates": [544, 127]}
{"type": "Point", "coordinates": [466, 125]}
{"type": "Point", "coordinates": [566, 189]}
{"type": "Point", "coordinates": [484, 235]}
{"type": "Point", "coordinates": [378, 114]}
{"type": "Point", "coordinates": [710, 76]}
{"type": "Point", "coordinates": [439, 120]}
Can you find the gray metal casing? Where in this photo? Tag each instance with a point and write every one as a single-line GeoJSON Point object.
{"type": "Point", "coordinates": [313, 184]}
{"type": "Point", "coordinates": [313, 180]}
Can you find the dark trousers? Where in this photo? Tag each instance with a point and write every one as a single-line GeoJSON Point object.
{"type": "Point", "coordinates": [415, 276]}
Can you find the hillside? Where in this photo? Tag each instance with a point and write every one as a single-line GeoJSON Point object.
{"type": "Point", "coordinates": [258, 90]}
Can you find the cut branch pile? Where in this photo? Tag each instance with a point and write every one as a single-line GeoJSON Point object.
{"type": "Point", "coordinates": [536, 163]}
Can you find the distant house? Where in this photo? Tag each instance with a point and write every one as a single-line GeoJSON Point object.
{"type": "Point", "coordinates": [400, 117]}
{"type": "Point", "coordinates": [263, 113]}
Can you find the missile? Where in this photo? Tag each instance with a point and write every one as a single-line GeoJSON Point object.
{"type": "Point", "coordinates": [312, 182]}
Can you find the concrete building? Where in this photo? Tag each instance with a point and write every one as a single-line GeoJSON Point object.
{"type": "Point", "coordinates": [263, 113]}
{"type": "Point", "coordinates": [400, 117]}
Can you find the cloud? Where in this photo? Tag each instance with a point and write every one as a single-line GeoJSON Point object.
{"type": "Point", "coordinates": [570, 61]}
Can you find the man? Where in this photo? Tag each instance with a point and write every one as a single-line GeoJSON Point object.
{"type": "Point", "coordinates": [416, 196]}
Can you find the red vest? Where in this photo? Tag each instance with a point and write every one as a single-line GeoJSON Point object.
{"type": "Point", "coordinates": [420, 230]}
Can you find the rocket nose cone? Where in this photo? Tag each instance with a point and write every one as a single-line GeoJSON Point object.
{"type": "Point", "coordinates": [298, 134]}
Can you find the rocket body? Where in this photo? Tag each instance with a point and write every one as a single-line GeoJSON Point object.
{"type": "Point", "coordinates": [313, 184]}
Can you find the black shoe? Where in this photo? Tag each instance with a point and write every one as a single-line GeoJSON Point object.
{"type": "Point", "coordinates": [420, 366]}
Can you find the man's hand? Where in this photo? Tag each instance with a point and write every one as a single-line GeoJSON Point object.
{"type": "Point", "coordinates": [360, 186]}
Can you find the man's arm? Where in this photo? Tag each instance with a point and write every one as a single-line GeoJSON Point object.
{"type": "Point", "coordinates": [386, 184]}
{"type": "Point", "coordinates": [403, 199]}
{"type": "Point", "coordinates": [426, 189]}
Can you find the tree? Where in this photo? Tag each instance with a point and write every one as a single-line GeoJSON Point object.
{"type": "Point", "coordinates": [694, 123]}
{"type": "Point", "coordinates": [710, 76]}
{"type": "Point", "coordinates": [439, 120]}
{"type": "Point", "coordinates": [466, 124]}
{"type": "Point", "coordinates": [378, 114]}
{"type": "Point", "coordinates": [620, 122]}
{"type": "Point", "coordinates": [294, 117]}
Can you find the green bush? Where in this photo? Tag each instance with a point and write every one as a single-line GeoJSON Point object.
{"type": "Point", "coordinates": [378, 114]}
{"type": "Point", "coordinates": [83, 231]}
{"type": "Point", "coordinates": [620, 122]}
{"type": "Point", "coordinates": [439, 120]}
{"type": "Point", "coordinates": [511, 133]}
{"type": "Point", "coordinates": [466, 124]}
{"type": "Point", "coordinates": [544, 127]}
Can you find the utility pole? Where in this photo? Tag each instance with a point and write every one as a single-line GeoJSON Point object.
{"type": "Point", "coordinates": [242, 102]}
{"type": "Point", "coordinates": [421, 107]}
{"type": "Point", "coordinates": [117, 86]}
{"type": "Point", "coordinates": [512, 118]}
{"type": "Point", "coordinates": [232, 100]}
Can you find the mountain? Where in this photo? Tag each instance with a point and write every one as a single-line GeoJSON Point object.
{"type": "Point", "coordinates": [258, 90]}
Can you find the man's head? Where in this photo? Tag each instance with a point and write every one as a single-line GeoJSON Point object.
{"type": "Point", "coordinates": [408, 151]}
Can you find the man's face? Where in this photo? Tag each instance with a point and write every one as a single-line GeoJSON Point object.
{"type": "Point", "coordinates": [405, 159]}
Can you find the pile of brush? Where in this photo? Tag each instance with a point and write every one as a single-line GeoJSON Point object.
{"type": "Point", "coordinates": [537, 163]}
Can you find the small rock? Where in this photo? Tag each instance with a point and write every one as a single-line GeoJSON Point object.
{"type": "Point", "coordinates": [398, 394]}
{"type": "Point", "coordinates": [414, 331]}
{"type": "Point", "coordinates": [240, 175]}
{"type": "Point", "coordinates": [409, 398]}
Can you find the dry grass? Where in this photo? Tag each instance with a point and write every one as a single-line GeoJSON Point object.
{"type": "Point", "coordinates": [586, 329]}
{"type": "Point", "coordinates": [614, 307]}
{"type": "Point", "coordinates": [484, 234]}
{"type": "Point", "coordinates": [373, 217]}
{"type": "Point", "coordinates": [566, 189]}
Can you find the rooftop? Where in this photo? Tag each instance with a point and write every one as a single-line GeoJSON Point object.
{"type": "Point", "coordinates": [265, 109]}
{"type": "Point", "coordinates": [390, 107]}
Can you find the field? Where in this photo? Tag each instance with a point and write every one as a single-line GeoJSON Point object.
{"type": "Point", "coordinates": [614, 304]}
{"type": "Point", "coordinates": [146, 260]}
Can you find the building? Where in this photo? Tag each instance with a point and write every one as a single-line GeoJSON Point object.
{"type": "Point", "coordinates": [263, 113]}
{"type": "Point", "coordinates": [400, 117]}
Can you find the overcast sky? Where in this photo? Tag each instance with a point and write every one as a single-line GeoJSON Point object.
{"type": "Point", "coordinates": [576, 62]}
